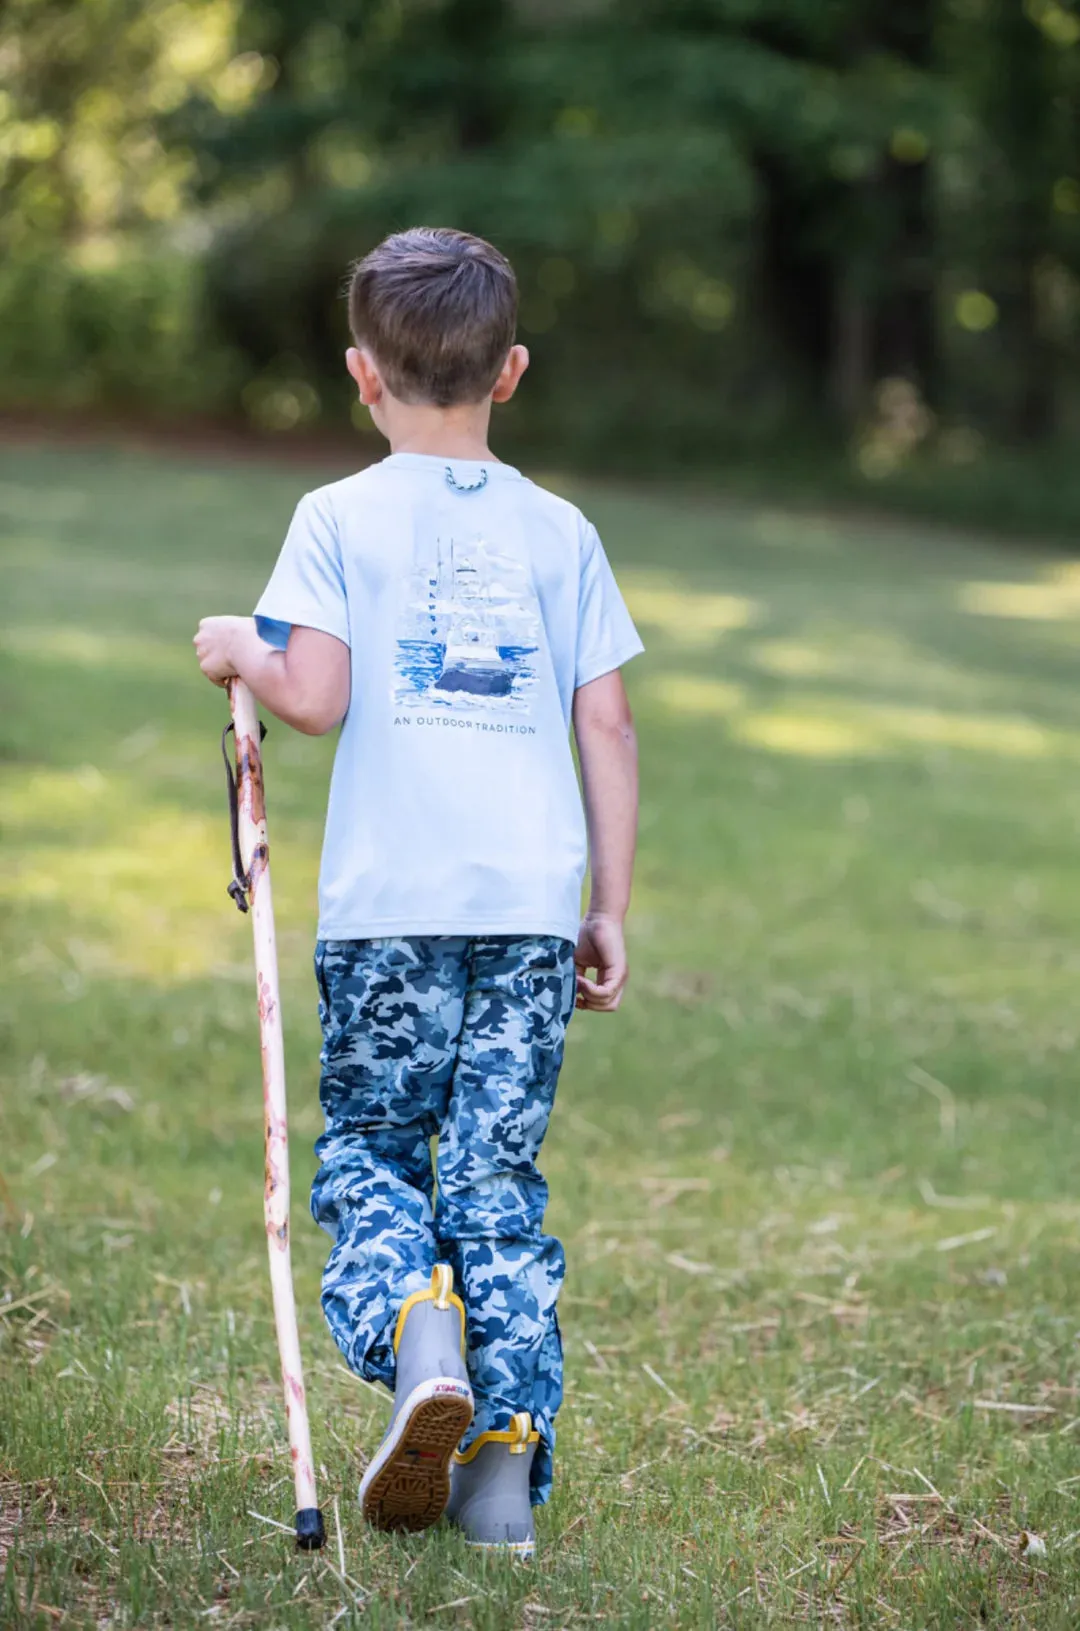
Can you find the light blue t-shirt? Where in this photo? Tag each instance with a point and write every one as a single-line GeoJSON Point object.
{"type": "Point", "coordinates": [474, 603]}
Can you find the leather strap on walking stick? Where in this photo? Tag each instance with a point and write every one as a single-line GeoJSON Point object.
{"type": "Point", "coordinates": [241, 881]}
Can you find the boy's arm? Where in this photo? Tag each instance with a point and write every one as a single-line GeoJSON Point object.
{"type": "Point", "coordinates": [306, 685]}
{"type": "Point", "coordinates": [607, 753]}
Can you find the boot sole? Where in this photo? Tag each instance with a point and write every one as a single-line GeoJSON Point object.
{"type": "Point", "coordinates": [515, 1551]}
{"type": "Point", "coordinates": [407, 1486]}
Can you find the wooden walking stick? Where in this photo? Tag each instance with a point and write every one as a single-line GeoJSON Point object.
{"type": "Point", "coordinates": [250, 889]}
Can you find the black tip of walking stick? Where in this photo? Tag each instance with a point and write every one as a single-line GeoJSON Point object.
{"type": "Point", "coordinates": [310, 1529]}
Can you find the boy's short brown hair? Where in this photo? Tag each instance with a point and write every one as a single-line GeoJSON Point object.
{"type": "Point", "coordinates": [438, 311]}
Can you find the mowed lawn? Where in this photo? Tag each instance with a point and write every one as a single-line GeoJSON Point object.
{"type": "Point", "coordinates": [818, 1180]}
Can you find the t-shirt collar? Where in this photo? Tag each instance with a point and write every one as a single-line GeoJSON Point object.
{"type": "Point", "coordinates": [463, 473]}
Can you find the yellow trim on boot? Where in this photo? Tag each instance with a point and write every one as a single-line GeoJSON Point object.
{"type": "Point", "coordinates": [442, 1285]}
{"type": "Point", "coordinates": [521, 1430]}
{"type": "Point", "coordinates": [519, 1435]}
{"type": "Point", "coordinates": [441, 1293]}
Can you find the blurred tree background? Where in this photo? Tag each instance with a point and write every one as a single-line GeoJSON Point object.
{"type": "Point", "coordinates": [744, 229]}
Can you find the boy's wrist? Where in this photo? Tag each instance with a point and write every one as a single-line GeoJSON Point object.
{"type": "Point", "coordinates": [236, 637]}
{"type": "Point", "coordinates": [598, 910]}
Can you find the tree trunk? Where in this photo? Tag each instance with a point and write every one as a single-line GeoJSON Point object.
{"type": "Point", "coordinates": [905, 328]}
{"type": "Point", "coordinates": [793, 286]}
{"type": "Point", "coordinates": [905, 338]}
{"type": "Point", "coordinates": [848, 266]}
{"type": "Point", "coordinates": [1019, 112]}
{"type": "Point", "coordinates": [851, 380]}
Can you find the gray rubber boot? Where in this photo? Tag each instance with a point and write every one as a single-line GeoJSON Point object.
{"type": "Point", "coordinates": [407, 1484]}
{"type": "Point", "coordinates": [489, 1491]}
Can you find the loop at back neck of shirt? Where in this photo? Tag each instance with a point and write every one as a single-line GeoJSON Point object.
{"type": "Point", "coordinates": [456, 486]}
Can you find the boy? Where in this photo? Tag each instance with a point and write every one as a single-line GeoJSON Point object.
{"type": "Point", "coordinates": [456, 618]}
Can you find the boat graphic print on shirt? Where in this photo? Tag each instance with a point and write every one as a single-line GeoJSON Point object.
{"type": "Point", "coordinates": [468, 631]}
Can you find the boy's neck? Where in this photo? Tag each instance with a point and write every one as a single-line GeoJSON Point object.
{"type": "Point", "coordinates": [460, 432]}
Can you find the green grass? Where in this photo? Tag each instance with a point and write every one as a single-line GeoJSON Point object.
{"type": "Point", "coordinates": [817, 1180]}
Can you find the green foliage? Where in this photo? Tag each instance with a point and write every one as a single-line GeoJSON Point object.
{"type": "Point", "coordinates": [817, 1178]}
{"type": "Point", "coordinates": [101, 297]}
{"type": "Point", "coordinates": [733, 220]}
{"type": "Point", "coordinates": [132, 333]}
{"type": "Point", "coordinates": [682, 188]}
{"type": "Point", "coordinates": [83, 90]}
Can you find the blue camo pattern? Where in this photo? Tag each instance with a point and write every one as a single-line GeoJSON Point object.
{"type": "Point", "coordinates": [461, 1038]}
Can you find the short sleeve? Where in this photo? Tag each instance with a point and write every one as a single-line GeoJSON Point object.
{"type": "Point", "coordinates": [606, 636]}
{"type": "Point", "coordinates": [307, 586]}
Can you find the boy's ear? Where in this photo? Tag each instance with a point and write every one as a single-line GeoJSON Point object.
{"type": "Point", "coordinates": [517, 360]}
{"type": "Point", "coordinates": [361, 365]}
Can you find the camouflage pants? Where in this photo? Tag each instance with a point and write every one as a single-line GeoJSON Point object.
{"type": "Point", "coordinates": [462, 1038]}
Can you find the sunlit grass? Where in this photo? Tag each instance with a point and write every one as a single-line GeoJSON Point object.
{"type": "Point", "coordinates": [851, 728]}
{"type": "Point", "coordinates": [807, 735]}
{"type": "Point", "coordinates": [118, 653]}
{"type": "Point", "coordinates": [1054, 597]}
{"type": "Point", "coordinates": [817, 1181]}
{"type": "Point", "coordinates": [696, 694]}
{"type": "Point", "coordinates": [682, 616]}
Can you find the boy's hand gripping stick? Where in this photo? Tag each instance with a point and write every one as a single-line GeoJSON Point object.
{"type": "Point", "coordinates": [250, 889]}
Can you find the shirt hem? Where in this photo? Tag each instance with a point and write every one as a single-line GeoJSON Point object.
{"type": "Point", "coordinates": [393, 928]}
{"type": "Point", "coordinates": [321, 625]}
{"type": "Point", "coordinates": [607, 664]}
